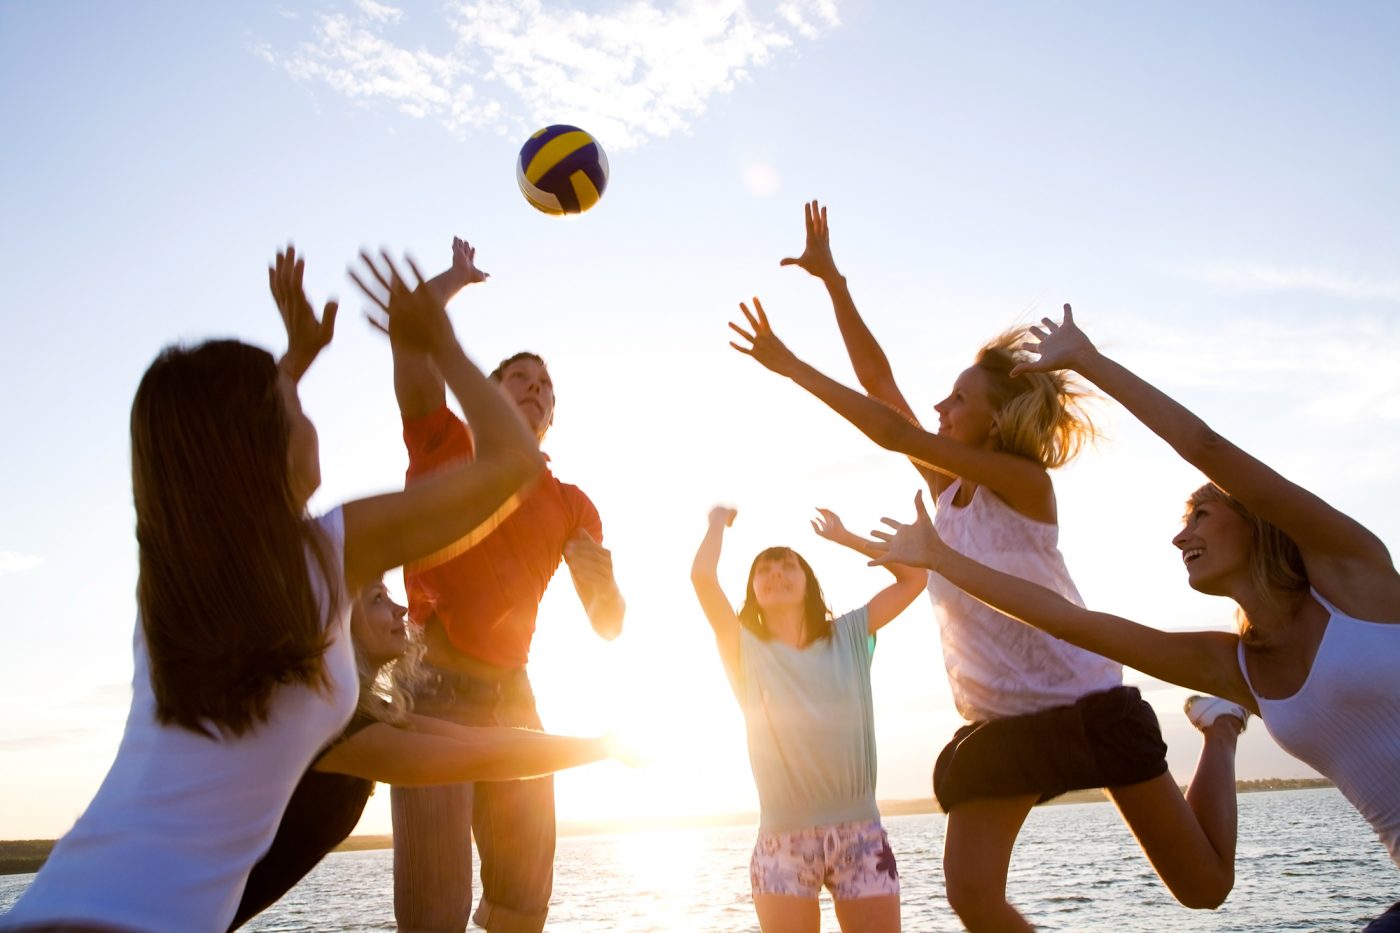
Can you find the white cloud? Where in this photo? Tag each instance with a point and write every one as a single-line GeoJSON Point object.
{"type": "Point", "coordinates": [15, 562]}
{"type": "Point", "coordinates": [1260, 276]}
{"type": "Point", "coordinates": [379, 12]}
{"type": "Point", "coordinates": [631, 71]}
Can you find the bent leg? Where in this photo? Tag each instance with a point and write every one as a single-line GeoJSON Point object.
{"type": "Point", "coordinates": [1190, 840]}
{"type": "Point", "coordinates": [976, 855]}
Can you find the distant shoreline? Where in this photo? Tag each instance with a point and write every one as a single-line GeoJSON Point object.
{"type": "Point", "coordinates": [20, 856]}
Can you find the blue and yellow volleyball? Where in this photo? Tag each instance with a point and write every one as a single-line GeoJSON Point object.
{"type": "Point", "coordinates": [562, 170]}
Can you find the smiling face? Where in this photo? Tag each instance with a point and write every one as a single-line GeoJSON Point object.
{"type": "Point", "coordinates": [526, 380]}
{"type": "Point", "coordinates": [1215, 544]}
{"type": "Point", "coordinates": [377, 626]}
{"type": "Point", "coordinates": [967, 414]}
{"type": "Point", "coordinates": [779, 581]}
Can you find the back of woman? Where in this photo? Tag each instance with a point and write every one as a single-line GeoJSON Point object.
{"type": "Point", "coordinates": [168, 839]}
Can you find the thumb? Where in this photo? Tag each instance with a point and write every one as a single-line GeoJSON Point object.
{"type": "Point", "coordinates": [788, 261]}
{"type": "Point", "coordinates": [919, 505]}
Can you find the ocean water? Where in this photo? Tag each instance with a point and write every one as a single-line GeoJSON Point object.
{"type": "Point", "coordinates": [1306, 862]}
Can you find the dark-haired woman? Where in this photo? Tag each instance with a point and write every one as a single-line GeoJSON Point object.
{"type": "Point", "coordinates": [243, 662]}
{"type": "Point", "coordinates": [803, 680]}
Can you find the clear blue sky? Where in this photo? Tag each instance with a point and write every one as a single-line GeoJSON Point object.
{"type": "Point", "coordinates": [1213, 186]}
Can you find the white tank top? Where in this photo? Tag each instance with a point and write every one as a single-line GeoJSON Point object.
{"type": "Point", "coordinates": [1345, 719]}
{"type": "Point", "coordinates": [167, 843]}
{"type": "Point", "coordinates": [997, 666]}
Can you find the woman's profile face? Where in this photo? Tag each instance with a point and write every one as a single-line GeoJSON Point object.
{"type": "Point", "coordinates": [377, 626]}
{"type": "Point", "coordinates": [1214, 544]}
{"type": "Point", "coordinates": [967, 415]}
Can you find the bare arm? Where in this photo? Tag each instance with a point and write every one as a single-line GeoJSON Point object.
{"type": "Point", "coordinates": [1023, 484]}
{"type": "Point", "coordinates": [410, 757]}
{"type": "Point", "coordinates": [1204, 661]}
{"type": "Point", "coordinates": [893, 599]}
{"type": "Point", "coordinates": [465, 501]}
{"type": "Point", "coordinates": [704, 576]}
{"type": "Point", "coordinates": [418, 385]}
{"type": "Point", "coordinates": [868, 359]}
{"type": "Point", "coordinates": [1339, 552]}
{"type": "Point", "coordinates": [590, 566]}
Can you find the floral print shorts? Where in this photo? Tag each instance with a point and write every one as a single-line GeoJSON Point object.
{"type": "Point", "coordinates": [851, 860]}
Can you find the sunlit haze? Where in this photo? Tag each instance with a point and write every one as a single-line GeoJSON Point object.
{"type": "Point", "coordinates": [1213, 187]}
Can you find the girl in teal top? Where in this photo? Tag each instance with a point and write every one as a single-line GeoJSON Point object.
{"type": "Point", "coordinates": [802, 678]}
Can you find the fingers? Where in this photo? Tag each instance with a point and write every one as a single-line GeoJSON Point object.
{"type": "Point", "coordinates": [377, 324]}
{"type": "Point", "coordinates": [744, 350]}
{"type": "Point", "coordinates": [328, 319]}
{"type": "Point", "coordinates": [370, 293]}
{"type": "Point", "coordinates": [1069, 314]}
{"type": "Point", "coordinates": [762, 318]}
{"type": "Point", "coordinates": [919, 508]}
{"type": "Point", "coordinates": [369, 263]}
{"type": "Point", "coordinates": [881, 535]}
{"type": "Point", "coordinates": [748, 315]}
{"type": "Point", "coordinates": [741, 332]}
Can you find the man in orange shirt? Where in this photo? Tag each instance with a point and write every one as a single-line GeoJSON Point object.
{"type": "Point", "coordinates": [477, 605]}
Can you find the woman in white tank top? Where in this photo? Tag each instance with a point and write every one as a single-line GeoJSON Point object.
{"type": "Point", "coordinates": [243, 663]}
{"type": "Point", "coordinates": [1044, 716]}
{"type": "Point", "coordinates": [1317, 594]}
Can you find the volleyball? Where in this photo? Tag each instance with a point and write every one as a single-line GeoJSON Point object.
{"type": "Point", "coordinates": [562, 170]}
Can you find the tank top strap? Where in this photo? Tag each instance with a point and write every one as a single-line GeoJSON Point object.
{"type": "Point", "coordinates": [1244, 668]}
{"type": "Point", "coordinates": [1324, 602]}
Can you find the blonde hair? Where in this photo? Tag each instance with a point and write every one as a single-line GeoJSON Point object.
{"type": "Point", "coordinates": [1040, 416]}
{"type": "Point", "coordinates": [1276, 565]}
{"type": "Point", "coordinates": [386, 691]}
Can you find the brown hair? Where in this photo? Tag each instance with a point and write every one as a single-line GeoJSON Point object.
{"type": "Point", "coordinates": [816, 615]}
{"type": "Point", "coordinates": [499, 372]}
{"type": "Point", "coordinates": [1040, 416]}
{"type": "Point", "coordinates": [224, 591]}
{"type": "Point", "coordinates": [1276, 565]}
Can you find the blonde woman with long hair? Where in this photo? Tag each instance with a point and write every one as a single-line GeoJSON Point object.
{"type": "Point", "coordinates": [1317, 597]}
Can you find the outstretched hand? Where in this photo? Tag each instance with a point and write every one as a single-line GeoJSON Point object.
{"type": "Point", "coordinates": [1061, 346]}
{"type": "Point", "coordinates": [464, 269]}
{"type": "Point", "coordinates": [409, 313]}
{"type": "Point", "coordinates": [816, 254]}
{"type": "Point", "coordinates": [764, 345]}
{"type": "Point", "coordinates": [916, 544]}
{"type": "Point", "coordinates": [828, 525]}
{"type": "Point", "coordinates": [306, 336]}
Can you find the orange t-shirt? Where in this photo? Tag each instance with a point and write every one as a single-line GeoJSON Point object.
{"type": "Point", "coordinates": [487, 597]}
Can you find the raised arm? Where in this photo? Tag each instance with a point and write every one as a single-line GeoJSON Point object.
{"type": "Point", "coordinates": [418, 385]}
{"type": "Point", "coordinates": [306, 336]}
{"type": "Point", "coordinates": [868, 359]}
{"type": "Point", "coordinates": [466, 501]}
{"type": "Point", "coordinates": [893, 599]}
{"type": "Point", "coordinates": [704, 576]}
{"type": "Point", "coordinates": [434, 752]}
{"type": "Point", "coordinates": [1202, 661]}
{"type": "Point", "coordinates": [1023, 484]}
{"type": "Point", "coordinates": [1335, 547]}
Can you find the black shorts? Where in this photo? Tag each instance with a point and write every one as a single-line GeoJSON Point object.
{"type": "Point", "coordinates": [1106, 739]}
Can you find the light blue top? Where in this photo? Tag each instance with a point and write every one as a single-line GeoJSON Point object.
{"type": "Point", "coordinates": [811, 726]}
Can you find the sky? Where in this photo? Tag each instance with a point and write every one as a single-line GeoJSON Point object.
{"type": "Point", "coordinates": [1213, 187]}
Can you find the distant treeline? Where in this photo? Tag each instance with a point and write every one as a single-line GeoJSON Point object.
{"type": "Point", "coordinates": [26, 855]}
